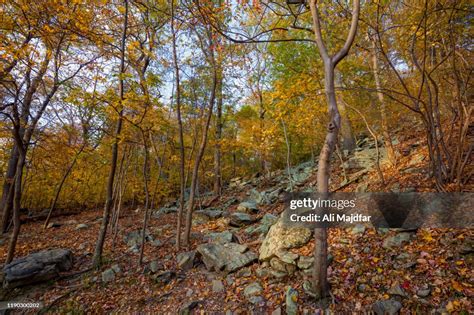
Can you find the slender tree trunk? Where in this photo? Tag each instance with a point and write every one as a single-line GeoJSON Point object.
{"type": "Point", "coordinates": [60, 186]}
{"type": "Point", "coordinates": [217, 150]}
{"type": "Point", "coordinates": [147, 197]}
{"type": "Point", "coordinates": [16, 206]}
{"type": "Point", "coordinates": [197, 161]}
{"type": "Point", "coordinates": [288, 155]}
{"type": "Point", "coordinates": [387, 139]}
{"type": "Point", "coordinates": [6, 204]}
{"type": "Point", "coordinates": [110, 184]}
{"type": "Point", "coordinates": [320, 283]}
{"type": "Point", "coordinates": [180, 131]}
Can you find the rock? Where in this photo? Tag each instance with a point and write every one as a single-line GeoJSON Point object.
{"type": "Point", "coordinates": [358, 229]}
{"type": "Point", "coordinates": [186, 260]}
{"type": "Point", "coordinates": [308, 289]}
{"type": "Point", "coordinates": [156, 243]}
{"type": "Point", "coordinates": [53, 225]}
{"type": "Point", "coordinates": [166, 210]}
{"type": "Point", "coordinates": [82, 226]}
{"type": "Point", "coordinates": [257, 197]}
{"type": "Point", "coordinates": [37, 267]}
{"type": "Point", "coordinates": [396, 289]}
{"type": "Point", "coordinates": [390, 307]}
{"type": "Point", "coordinates": [282, 266]}
{"type": "Point", "coordinates": [217, 286]}
{"type": "Point", "coordinates": [108, 275]}
{"type": "Point", "coordinates": [280, 237]}
{"type": "Point", "coordinates": [416, 159]}
{"type": "Point", "coordinates": [240, 219]}
{"type": "Point", "coordinates": [200, 218]}
{"type": "Point", "coordinates": [396, 240]}
{"type": "Point", "coordinates": [220, 237]}
{"type": "Point", "coordinates": [247, 206]}
{"type": "Point", "coordinates": [269, 219]}
{"type": "Point", "coordinates": [252, 289]}
{"type": "Point", "coordinates": [362, 287]}
{"type": "Point", "coordinates": [362, 187]}
{"type": "Point", "coordinates": [210, 213]}
{"type": "Point", "coordinates": [403, 256]}
{"type": "Point", "coordinates": [291, 299]}
{"type": "Point", "coordinates": [287, 257]}
{"type": "Point", "coordinates": [305, 262]}
{"type": "Point", "coordinates": [164, 277]}
{"type": "Point", "coordinates": [116, 269]}
{"type": "Point", "coordinates": [227, 257]}
{"type": "Point", "coordinates": [188, 307]}
{"type": "Point", "coordinates": [276, 311]}
{"type": "Point", "coordinates": [154, 266]}
{"type": "Point", "coordinates": [255, 299]}
{"type": "Point", "coordinates": [423, 292]}
{"type": "Point", "coordinates": [265, 223]}
{"type": "Point", "coordinates": [134, 249]}
{"type": "Point", "coordinates": [135, 238]}
{"type": "Point", "coordinates": [244, 272]}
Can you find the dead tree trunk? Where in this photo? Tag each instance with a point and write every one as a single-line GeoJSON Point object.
{"type": "Point", "coordinates": [110, 184]}
{"type": "Point", "coordinates": [320, 284]}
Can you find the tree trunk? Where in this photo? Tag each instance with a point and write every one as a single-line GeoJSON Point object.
{"type": "Point", "coordinates": [16, 206]}
{"type": "Point", "coordinates": [320, 284]}
{"type": "Point", "coordinates": [147, 198]}
{"type": "Point", "coordinates": [217, 150]}
{"type": "Point", "coordinates": [60, 186]}
{"type": "Point", "coordinates": [110, 184]}
{"type": "Point", "coordinates": [387, 139]}
{"type": "Point", "coordinates": [348, 139]}
{"type": "Point", "coordinates": [197, 162]}
{"type": "Point", "coordinates": [6, 204]}
{"type": "Point", "coordinates": [182, 157]}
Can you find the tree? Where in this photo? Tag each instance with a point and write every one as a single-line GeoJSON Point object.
{"type": "Point", "coordinates": [113, 163]}
{"type": "Point", "coordinates": [320, 284]}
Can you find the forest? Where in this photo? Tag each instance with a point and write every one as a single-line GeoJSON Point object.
{"type": "Point", "coordinates": [148, 150]}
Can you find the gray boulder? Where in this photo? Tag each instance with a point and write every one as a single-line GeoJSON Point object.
{"type": "Point", "coordinates": [252, 289]}
{"type": "Point", "coordinates": [186, 260]}
{"type": "Point", "coordinates": [219, 237]}
{"type": "Point", "coordinates": [248, 206]}
{"type": "Point", "coordinates": [396, 240]}
{"type": "Point", "coordinates": [135, 238]}
{"type": "Point", "coordinates": [227, 257]}
{"type": "Point", "coordinates": [108, 275]}
{"type": "Point", "coordinates": [280, 237]}
{"type": "Point", "coordinates": [211, 213]}
{"type": "Point", "coordinates": [390, 307]}
{"type": "Point", "coordinates": [37, 267]}
{"type": "Point", "coordinates": [217, 286]}
{"type": "Point", "coordinates": [240, 219]}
